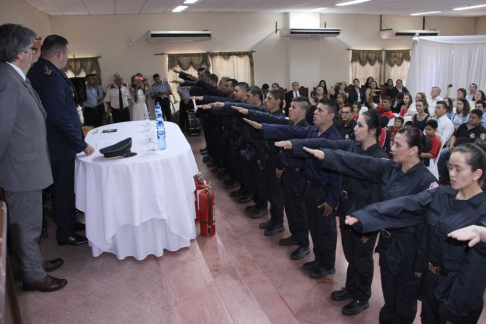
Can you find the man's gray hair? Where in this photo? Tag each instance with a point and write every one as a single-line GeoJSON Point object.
{"type": "Point", "coordinates": [14, 39]}
{"type": "Point", "coordinates": [117, 75]}
{"type": "Point", "coordinates": [437, 89]}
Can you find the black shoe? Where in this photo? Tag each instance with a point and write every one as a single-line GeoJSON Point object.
{"type": "Point", "coordinates": [300, 253]}
{"type": "Point", "coordinates": [203, 149]}
{"type": "Point", "coordinates": [207, 159]}
{"type": "Point", "coordinates": [75, 239]}
{"type": "Point", "coordinates": [275, 229]}
{"type": "Point", "coordinates": [237, 193]}
{"type": "Point", "coordinates": [288, 241]}
{"type": "Point", "coordinates": [217, 169]}
{"type": "Point", "coordinates": [232, 185]}
{"type": "Point", "coordinates": [225, 176]}
{"type": "Point", "coordinates": [342, 294]}
{"type": "Point", "coordinates": [247, 199]}
{"type": "Point", "coordinates": [222, 173]}
{"type": "Point", "coordinates": [309, 266]}
{"type": "Point", "coordinates": [355, 307]}
{"type": "Point", "coordinates": [212, 164]}
{"type": "Point", "coordinates": [321, 272]}
{"type": "Point", "coordinates": [52, 265]}
{"type": "Point", "coordinates": [45, 285]}
{"type": "Point", "coordinates": [79, 227]}
{"type": "Point", "coordinates": [266, 224]}
{"type": "Point", "coordinates": [204, 153]}
{"type": "Point", "coordinates": [228, 181]}
{"type": "Point", "coordinates": [259, 214]}
{"type": "Point", "coordinates": [252, 208]}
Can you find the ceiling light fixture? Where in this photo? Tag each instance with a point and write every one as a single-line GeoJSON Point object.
{"type": "Point", "coordinates": [318, 9]}
{"type": "Point", "coordinates": [424, 13]}
{"type": "Point", "coordinates": [470, 7]}
{"type": "Point", "coordinates": [190, 1]}
{"type": "Point", "coordinates": [347, 3]}
{"type": "Point", "coordinates": [179, 8]}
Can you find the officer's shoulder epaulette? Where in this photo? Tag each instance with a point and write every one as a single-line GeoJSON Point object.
{"type": "Point", "coordinates": [125, 84]}
{"type": "Point", "coordinates": [111, 86]}
{"type": "Point", "coordinates": [47, 70]}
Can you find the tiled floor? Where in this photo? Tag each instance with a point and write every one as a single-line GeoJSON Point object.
{"type": "Point", "coordinates": [237, 276]}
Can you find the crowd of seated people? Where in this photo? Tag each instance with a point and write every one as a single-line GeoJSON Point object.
{"type": "Point", "coordinates": [270, 157]}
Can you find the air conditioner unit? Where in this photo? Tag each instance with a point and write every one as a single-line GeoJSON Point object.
{"type": "Point", "coordinates": [178, 36]}
{"type": "Point", "coordinates": [310, 32]}
{"type": "Point", "coordinates": [386, 34]}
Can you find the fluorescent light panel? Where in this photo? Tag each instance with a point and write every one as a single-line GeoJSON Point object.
{"type": "Point", "coordinates": [318, 9]}
{"type": "Point", "coordinates": [179, 8]}
{"type": "Point", "coordinates": [190, 1]}
{"type": "Point", "coordinates": [425, 13]}
{"type": "Point", "coordinates": [470, 7]}
{"type": "Point", "coordinates": [348, 3]}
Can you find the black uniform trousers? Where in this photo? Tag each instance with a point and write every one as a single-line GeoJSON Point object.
{"type": "Point", "coordinates": [245, 175]}
{"type": "Point", "coordinates": [294, 188]}
{"type": "Point", "coordinates": [183, 117]}
{"type": "Point", "coordinates": [62, 198]}
{"type": "Point", "coordinates": [120, 115]}
{"type": "Point", "coordinates": [100, 111]}
{"type": "Point", "coordinates": [274, 190]}
{"type": "Point", "coordinates": [400, 289]}
{"type": "Point", "coordinates": [430, 303]}
{"type": "Point", "coordinates": [258, 183]}
{"type": "Point", "coordinates": [165, 104]}
{"type": "Point", "coordinates": [91, 117]}
{"type": "Point", "coordinates": [323, 229]}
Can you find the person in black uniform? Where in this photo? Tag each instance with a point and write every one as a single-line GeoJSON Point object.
{"type": "Point", "coordinates": [401, 259]}
{"type": "Point", "coordinates": [347, 124]}
{"type": "Point", "coordinates": [323, 190]}
{"type": "Point", "coordinates": [64, 134]}
{"type": "Point", "coordinates": [455, 279]}
{"type": "Point", "coordinates": [356, 193]}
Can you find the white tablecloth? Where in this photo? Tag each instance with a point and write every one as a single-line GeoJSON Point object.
{"type": "Point", "coordinates": [139, 205]}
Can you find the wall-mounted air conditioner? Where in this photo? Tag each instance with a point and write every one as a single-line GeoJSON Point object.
{"type": "Point", "coordinates": [310, 32]}
{"type": "Point", "coordinates": [386, 34]}
{"type": "Point", "coordinates": [178, 36]}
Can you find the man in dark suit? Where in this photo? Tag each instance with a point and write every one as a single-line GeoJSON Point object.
{"type": "Point", "coordinates": [357, 94]}
{"type": "Point", "coordinates": [396, 89]}
{"type": "Point", "coordinates": [289, 95]}
{"type": "Point", "coordinates": [64, 134]}
{"type": "Point", "coordinates": [24, 160]}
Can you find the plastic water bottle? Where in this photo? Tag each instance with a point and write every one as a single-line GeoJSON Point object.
{"type": "Point", "coordinates": [161, 145]}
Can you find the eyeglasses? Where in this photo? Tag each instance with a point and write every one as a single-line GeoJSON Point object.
{"type": "Point", "coordinates": [33, 49]}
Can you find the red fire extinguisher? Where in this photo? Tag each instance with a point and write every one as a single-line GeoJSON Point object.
{"type": "Point", "coordinates": [200, 185]}
{"type": "Point", "coordinates": [206, 204]}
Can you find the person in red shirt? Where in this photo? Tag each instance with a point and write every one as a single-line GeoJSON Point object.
{"type": "Point", "coordinates": [396, 127]}
{"type": "Point", "coordinates": [430, 129]}
{"type": "Point", "coordinates": [356, 108]}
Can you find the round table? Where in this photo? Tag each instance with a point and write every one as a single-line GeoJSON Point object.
{"type": "Point", "coordinates": [139, 205]}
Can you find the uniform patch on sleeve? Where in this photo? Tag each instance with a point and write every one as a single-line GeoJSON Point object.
{"type": "Point", "coordinates": [433, 185]}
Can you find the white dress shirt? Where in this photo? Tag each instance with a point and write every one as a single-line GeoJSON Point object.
{"type": "Point", "coordinates": [19, 71]}
{"type": "Point", "coordinates": [446, 128]}
{"type": "Point", "coordinates": [296, 94]}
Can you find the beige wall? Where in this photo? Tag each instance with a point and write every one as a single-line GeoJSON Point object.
{"type": "Point", "coordinates": [481, 26]}
{"type": "Point", "coordinates": [20, 12]}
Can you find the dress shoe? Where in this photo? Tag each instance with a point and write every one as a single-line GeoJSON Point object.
{"type": "Point", "coordinates": [275, 229]}
{"type": "Point", "coordinates": [203, 149]}
{"type": "Point", "coordinates": [246, 199]}
{"type": "Point", "coordinates": [232, 185]}
{"type": "Point", "coordinates": [259, 214]}
{"type": "Point", "coordinates": [252, 208]}
{"type": "Point", "coordinates": [342, 294]}
{"type": "Point", "coordinates": [321, 272]}
{"type": "Point", "coordinates": [217, 169]}
{"type": "Point", "coordinates": [73, 240]}
{"type": "Point", "coordinates": [288, 241]}
{"type": "Point", "coordinates": [309, 266]}
{"type": "Point", "coordinates": [47, 284]}
{"type": "Point", "coordinates": [204, 153]}
{"type": "Point", "coordinates": [228, 181]}
{"type": "Point", "coordinates": [52, 265]}
{"type": "Point", "coordinates": [80, 227]}
{"type": "Point", "coordinates": [212, 164]}
{"type": "Point", "coordinates": [300, 253]}
{"type": "Point", "coordinates": [266, 224]}
{"type": "Point", "coordinates": [224, 176]}
{"type": "Point", "coordinates": [237, 193]}
{"type": "Point", "coordinates": [355, 307]}
{"type": "Point", "coordinates": [207, 159]}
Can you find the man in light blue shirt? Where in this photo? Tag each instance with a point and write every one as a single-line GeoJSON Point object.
{"type": "Point", "coordinates": [480, 104]}
{"type": "Point", "coordinates": [161, 92]}
{"type": "Point", "coordinates": [100, 107]}
{"type": "Point", "coordinates": [91, 118]}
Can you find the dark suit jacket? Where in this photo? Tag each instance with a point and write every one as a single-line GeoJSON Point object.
{"type": "Point", "coordinates": [24, 157]}
{"type": "Point", "coordinates": [289, 95]}
{"type": "Point", "coordinates": [394, 91]}
{"type": "Point", "coordinates": [353, 95]}
{"type": "Point", "coordinates": [56, 92]}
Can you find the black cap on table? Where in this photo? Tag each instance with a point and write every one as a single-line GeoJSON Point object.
{"type": "Point", "coordinates": [118, 150]}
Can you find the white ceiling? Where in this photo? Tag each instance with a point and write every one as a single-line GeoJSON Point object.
{"type": "Point", "coordinates": [375, 7]}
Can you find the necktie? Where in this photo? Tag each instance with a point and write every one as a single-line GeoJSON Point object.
{"type": "Point", "coordinates": [295, 94]}
{"type": "Point", "coordinates": [98, 90]}
{"type": "Point", "coordinates": [120, 98]}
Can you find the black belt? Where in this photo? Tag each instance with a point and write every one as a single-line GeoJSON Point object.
{"type": "Point", "coordinates": [120, 109]}
{"type": "Point", "coordinates": [437, 271]}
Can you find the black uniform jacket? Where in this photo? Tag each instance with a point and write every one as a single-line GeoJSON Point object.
{"type": "Point", "coordinates": [461, 293]}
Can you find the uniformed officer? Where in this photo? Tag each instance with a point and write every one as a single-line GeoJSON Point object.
{"type": "Point", "coordinates": [100, 106]}
{"type": "Point", "coordinates": [455, 276]}
{"type": "Point", "coordinates": [161, 92]}
{"type": "Point", "coordinates": [117, 95]}
{"type": "Point", "coordinates": [356, 193]}
{"type": "Point", "coordinates": [64, 134]}
{"type": "Point", "coordinates": [91, 117]}
{"type": "Point", "coordinates": [347, 124]}
{"type": "Point", "coordinates": [401, 259]}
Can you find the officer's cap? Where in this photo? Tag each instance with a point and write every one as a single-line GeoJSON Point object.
{"type": "Point", "coordinates": [118, 150]}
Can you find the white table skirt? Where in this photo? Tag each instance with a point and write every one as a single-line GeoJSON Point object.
{"type": "Point", "coordinates": [140, 205]}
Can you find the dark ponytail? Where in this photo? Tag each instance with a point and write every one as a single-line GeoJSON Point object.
{"type": "Point", "coordinates": [373, 120]}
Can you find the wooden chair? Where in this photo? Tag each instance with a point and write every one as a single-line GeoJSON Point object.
{"type": "Point", "coordinates": [304, 91]}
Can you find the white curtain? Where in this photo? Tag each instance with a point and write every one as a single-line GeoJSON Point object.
{"type": "Point", "coordinates": [363, 72]}
{"type": "Point", "coordinates": [237, 67]}
{"type": "Point", "coordinates": [443, 60]}
{"type": "Point", "coordinates": [397, 72]}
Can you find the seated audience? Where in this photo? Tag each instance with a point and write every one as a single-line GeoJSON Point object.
{"type": "Point", "coordinates": [422, 116]}
{"type": "Point", "coordinates": [446, 127]}
{"type": "Point", "coordinates": [396, 89]}
{"type": "Point", "coordinates": [435, 96]}
{"type": "Point", "coordinates": [473, 88]}
{"type": "Point", "coordinates": [398, 103]}
{"type": "Point", "coordinates": [430, 130]}
{"type": "Point", "coordinates": [399, 121]}
{"type": "Point", "coordinates": [373, 92]}
{"type": "Point", "coordinates": [407, 102]}
{"type": "Point", "coordinates": [450, 107]}
{"type": "Point", "coordinates": [413, 110]}
{"type": "Point", "coordinates": [356, 110]}
{"type": "Point", "coordinates": [479, 95]}
{"type": "Point", "coordinates": [356, 93]}
{"type": "Point", "coordinates": [367, 85]}
{"type": "Point", "coordinates": [386, 88]}
{"type": "Point", "coordinates": [480, 104]}
{"type": "Point", "coordinates": [322, 84]}
{"type": "Point", "coordinates": [346, 126]}
{"type": "Point", "coordinates": [462, 112]}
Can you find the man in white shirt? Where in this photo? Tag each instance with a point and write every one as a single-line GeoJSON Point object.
{"type": "Point", "coordinates": [117, 96]}
{"type": "Point", "coordinates": [446, 127]}
{"type": "Point", "coordinates": [473, 87]}
{"type": "Point", "coordinates": [435, 94]}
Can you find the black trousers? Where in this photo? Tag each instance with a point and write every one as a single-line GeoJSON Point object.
{"type": "Point", "coordinates": [257, 183]}
{"type": "Point", "coordinates": [62, 198]}
{"type": "Point", "coordinates": [400, 289]}
{"type": "Point", "coordinates": [245, 175]}
{"type": "Point", "coordinates": [430, 303]}
{"type": "Point", "coordinates": [359, 255]}
{"type": "Point", "coordinates": [120, 115]}
{"type": "Point", "coordinates": [294, 188]}
{"type": "Point", "coordinates": [323, 229]}
{"type": "Point", "coordinates": [100, 111]}
{"type": "Point", "coordinates": [274, 190]}
{"type": "Point", "coordinates": [91, 117]}
{"type": "Point", "coordinates": [165, 104]}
